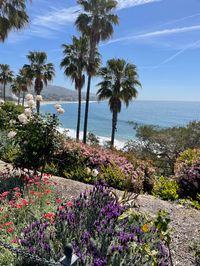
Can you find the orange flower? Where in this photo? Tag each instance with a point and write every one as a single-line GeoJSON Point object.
{"type": "Point", "coordinates": [10, 230]}
{"type": "Point", "coordinates": [145, 228]}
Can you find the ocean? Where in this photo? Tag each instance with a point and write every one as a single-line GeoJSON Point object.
{"type": "Point", "coordinates": [160, 113]}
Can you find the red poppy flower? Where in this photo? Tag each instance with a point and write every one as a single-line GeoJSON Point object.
{"type": "Point", "coordinates": [10, 230]}
{"type": "Point", "coordinates": [69, 204]}
{"type": "Point", "coordinates": [58, 201]}
{"type": "Point", "coordinates": [18, 194]}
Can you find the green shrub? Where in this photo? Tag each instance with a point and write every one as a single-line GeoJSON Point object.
{"type": "Point", "coordinates": [165, 188]}
{"type": "Point", "coordinates": [8, 115]}
{"type": "Point", "coordinates": [7, 149]}
{"type": "Point", "coordinates": [114, 176]}
{"type": "Point", "coordinates": [187, 173]}
{"type": "Point", "coordinates": [190, 203]}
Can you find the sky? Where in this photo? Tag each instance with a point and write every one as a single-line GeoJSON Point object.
{"type": "Point", "coordinates": [161, 37]}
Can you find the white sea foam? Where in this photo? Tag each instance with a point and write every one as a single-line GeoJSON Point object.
{"type": "Point", "coordinates": [72, 134]}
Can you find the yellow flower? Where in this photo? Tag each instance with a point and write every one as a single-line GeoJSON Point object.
{"type": "Point", "coordinates": [145, 228]}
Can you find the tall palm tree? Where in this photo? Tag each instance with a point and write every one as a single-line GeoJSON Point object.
{"type": "Point", "coordinates": [26, 82]}
{"type": "Point", "coordinates": [13, 15]}
{"type": "Point", "coordinates": [16, 87]}
{"type": "Point", "coordinates": [96, 23]}
{"type": "Point", "coordinates": [6, 76]}
{"type": "Point", "coordinates": [74, 64]}
{"type": "Point", "coordinates": [39, 71]}
{"type": "Point", "coordinates": [119, 84]}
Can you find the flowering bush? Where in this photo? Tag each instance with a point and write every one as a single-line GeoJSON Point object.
{"type": "Point", "coordinates": [30, 200]}
{"type": "Point", "coordinates": [103, 233]}
{"type": "Point", "coordinates": [74, 158]}
{"type": "Point", "coordinates": [187, 173]}
{"type": "Point", "coordinates": [37, 139]}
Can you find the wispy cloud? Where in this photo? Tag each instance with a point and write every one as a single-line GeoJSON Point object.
{"type": "Point", "coordinates": [174, 56]}
{"type": "Point", "coordinates": [130, 3]}
{"type": "Point", "coordinates": [59, 17]}
{"type": "Point", "coordinates": [181, 51]}
{"type": "Point", "coordinates": [153, 34]}
{"type": "Point", "coordinates": [56, 18]}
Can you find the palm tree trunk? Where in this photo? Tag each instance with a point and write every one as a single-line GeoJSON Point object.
{"type": "Point", "coordinates": [23, 98]}
{"type": "Point", "coordinates": [114, 127]}
{"type": "Point", "coordinates": [4, 91]}
{"type": "Point", "coordinates": [19, 98]}
{"type": "Point", "coordinates": [38, 105]}
{"type": "Point", "coordinates": [79, 115]}
{"type": "Point", "coordinates": [87, 109]}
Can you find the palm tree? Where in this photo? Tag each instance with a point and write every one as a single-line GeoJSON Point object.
{"type": "Point", "coordinates": [74, 64]}
{"type": "Point", "coordinates": [16, 87]}
{"type": "Point", "coordinates": [26, 82]}
{"type": "Point", "coordinates": [12, 16]}
{"type": "Point", "coordinates": [119, 84]}
{"type": "Point", "coordinates": [96, 23]}
{"type": "Point", "coordinates": [39, 71]}
{"type": "Point", "coordinates": [6, 76]}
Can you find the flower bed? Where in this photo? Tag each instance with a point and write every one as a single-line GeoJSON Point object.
{"type": "Point", "coordinates": [102, 230]}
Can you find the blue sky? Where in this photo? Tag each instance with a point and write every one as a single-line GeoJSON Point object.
{"type": "Point", "coordinates": [160, 36]}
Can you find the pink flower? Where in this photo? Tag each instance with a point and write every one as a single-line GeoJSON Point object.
{"type": "Point", "coordinates": [4, 194]}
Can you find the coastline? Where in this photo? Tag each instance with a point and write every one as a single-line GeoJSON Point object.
{"type": "Point", "coordinates": [69, 132]}
{"type": "Point", "coordinates": [63, 102]}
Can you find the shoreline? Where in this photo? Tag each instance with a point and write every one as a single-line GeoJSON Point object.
{"type": "Point", "coordinates": [64, 102]}
{"type": "Point", "coordinates": [69, 132]}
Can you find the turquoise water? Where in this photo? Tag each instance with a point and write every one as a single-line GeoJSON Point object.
{"type": "Point", "coordinates": [161, 113]}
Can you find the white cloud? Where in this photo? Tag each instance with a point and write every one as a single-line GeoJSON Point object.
{"type": "Point", "coordinates": [130, 3]}
{"type": "Point", "coordinates": [153, 34]}
{"type": "Point", "coordinates": [56, 18]}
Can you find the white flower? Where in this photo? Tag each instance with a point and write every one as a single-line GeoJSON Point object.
{"type": "Point", "coordinates": [29, 97]}
{"type": "Point", "coordinates": [39, 98]}
{"type": "Point", "coordinates": [23, 119]}
{"type": "Point", "coordinates": [88, 170]}
{"type": "Point", "coordinates": [11, 134]}
{"type": "Point", "coordinates": [95, 172]}
{"type": "Point", "coordinates": [1, 101]}
{"type": "Point", "coordinates": [31, 104]}
{"type": "Point", "coordinates": [57, 106]}
{"type": "Point", "coordinates": [28, 112]}
{"type": "Point", "coordinates": [60, 110]}
{"type": "Point", "coordinates": [12, 122]}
